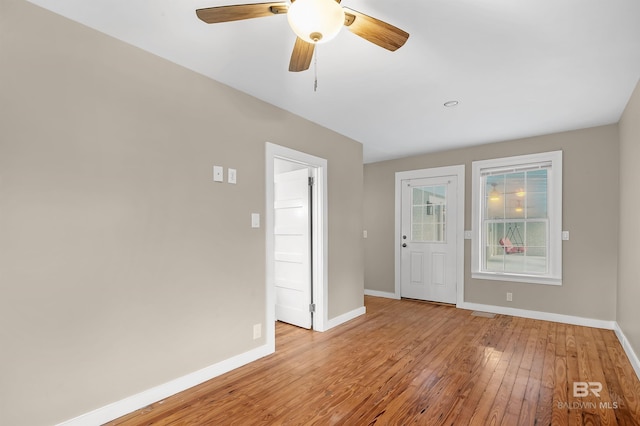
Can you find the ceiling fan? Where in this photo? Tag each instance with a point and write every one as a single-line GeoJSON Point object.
{"type": "Point", "coordinates": [314, 22]}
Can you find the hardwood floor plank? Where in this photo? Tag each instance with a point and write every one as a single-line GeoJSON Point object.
{"type": "Point", "coordinates": [527, 415]}
{"type": "Point", "coordinates": [507, 381]}
{"type": "Point", "coordinates": [545, 408]}
{"type": "Point", "coordinates": [483, 393]}
{"type": "Point", "coordinates": [623, 416]}
{"type": "Point", "coordinates": [478, 372]}
{"type": "Point", "coordinates": [629, 397]}
{"type": "Point", "coordinates": [411, 362]}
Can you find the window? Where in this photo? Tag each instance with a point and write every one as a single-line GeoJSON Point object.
{"type": "Point", "coordinates": [428, 213]}
{"type": "Point", "coordinates": [517, 218]}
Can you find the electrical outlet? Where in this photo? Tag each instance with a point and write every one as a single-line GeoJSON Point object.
{"type": "Point", "coordinates": [509, 297]}
{"type": "Point", "coordinates": [257, 331]}
{"type": "Point", "coordinates": [218, 172]}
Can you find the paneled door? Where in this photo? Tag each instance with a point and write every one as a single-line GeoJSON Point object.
{"type": "Point", "coordinates": [292, 251]}
{"type": "Point", "coordinates": [428, 238]}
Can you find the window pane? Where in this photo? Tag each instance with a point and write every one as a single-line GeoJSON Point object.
{"type": "Point", "coordinates": [536, 235]}
{"type": "Point", "coordinates": [417, 215]}
{"type": "Point", "coordinates": [537, 205]}
{"type": "Point", "coordinates": [494, 198]}
{"type": "Point", "coordinates": [494, 231]}
{"type": "Point", "coordinates": [516, 195]}
{"type": "Point", "coordinates": [536, 197]}
{"type": "Point", "coordinates": [417, 196]}
{"type": "Point", "coordinates": [428, 221]}
{"type": "Point", "coordinates": [516, 247]}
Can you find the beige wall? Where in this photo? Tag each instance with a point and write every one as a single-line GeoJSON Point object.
{"type": "Point", "coordinates": [590, 213]}
{"type": "Point", "coordinates": [122, 265]}
{"type": "Point", "coordinates": [628, 315]}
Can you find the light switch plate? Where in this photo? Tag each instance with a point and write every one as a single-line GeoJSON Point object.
{"type": "Point", "coordinates": [218, 172]}
{"type": "Point", "coordinates": [255, 220]}
{"type": "Point", "coordinates": [565, 235]}
{"type": "Point", "coordinates": [231, 175]}
{"type": "Point", "coordinates": [468, 235]}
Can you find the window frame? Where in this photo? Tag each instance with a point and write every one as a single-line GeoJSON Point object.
{"type": "Point", "coordinates": [554, 208]}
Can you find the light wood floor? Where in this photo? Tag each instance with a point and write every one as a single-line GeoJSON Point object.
{"type": "Point", "coordinates": [409, 362]}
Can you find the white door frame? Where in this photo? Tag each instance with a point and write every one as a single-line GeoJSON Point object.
{"type": "Point", "coordinates": [319, 231]}
{"type": "Point", "coordinates": [458, 222]}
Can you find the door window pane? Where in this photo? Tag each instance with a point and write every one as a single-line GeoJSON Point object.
{"type": "Point", "coordinates": [428, 213]}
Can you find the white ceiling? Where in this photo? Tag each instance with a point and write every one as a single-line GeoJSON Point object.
{"type": "Point", "coordinates": [518, 67]}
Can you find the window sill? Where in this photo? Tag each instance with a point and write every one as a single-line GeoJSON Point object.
{"type": "Point", "coordinates": [530, 279]}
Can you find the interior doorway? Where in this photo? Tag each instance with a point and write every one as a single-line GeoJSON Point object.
{"type": "Point", "coordinates": [285, 247]}
{"type": "Point", "coordinates": [292, 240]}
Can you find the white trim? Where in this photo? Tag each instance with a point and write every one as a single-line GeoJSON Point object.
{"type": "Point", "coordinates": [458, 171]}
{"type": "Point", "coordinates": [158, 393]}
{"type": "Point", "coordinates": [538, 315]}
{"type": "Point", "coordinates": [378, 293]}
{"type": "Point", "coordinates": [511, 277]}
{"type": "Point", "coordinates": [341, 319]}
{"type": "Point", "coordinates": [626, 345]}
{"type": "Point", "coordinates": [320, 236]}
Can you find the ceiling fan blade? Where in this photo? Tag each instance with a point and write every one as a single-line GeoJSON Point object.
{"type": "Point", "coordinates": [374, 30]}
{"type": "Point", "coordinates": [301, 56]}
{"type": "Point", "coordinates": [238, 12]}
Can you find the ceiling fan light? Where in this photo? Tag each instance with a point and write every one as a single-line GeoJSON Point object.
{"type": "Point", "coordinates": [316, 21]}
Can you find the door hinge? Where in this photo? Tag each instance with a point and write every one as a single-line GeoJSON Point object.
{"type": "Point", "coordinates": [311, 181]}
{"type": "Point", "coordinates": [312, 307]}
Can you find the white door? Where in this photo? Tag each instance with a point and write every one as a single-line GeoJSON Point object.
{"type": "Point", "coordinates": [292, 251]}
{"type": "Point", "coordinates": [428, 239]}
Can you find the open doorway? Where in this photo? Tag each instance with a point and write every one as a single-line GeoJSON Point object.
{"type": "Point", "coordinates": [292, 242]}
{"type": "Point", "coordinates": [291, 172]}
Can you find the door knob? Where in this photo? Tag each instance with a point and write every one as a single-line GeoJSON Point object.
{"type": "Point", "coordinates": [404, 244]}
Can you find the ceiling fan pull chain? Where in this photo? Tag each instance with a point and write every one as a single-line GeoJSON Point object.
{"type": "Point", "coordinates": [315, 69]}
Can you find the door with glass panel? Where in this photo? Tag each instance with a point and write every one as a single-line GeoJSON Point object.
{"type": "Point", "coordinates": [428, 256]}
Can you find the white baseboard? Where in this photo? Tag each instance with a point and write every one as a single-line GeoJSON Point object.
{"type": "Point", "coordinates": [142, 399]}
{"type": "Point", "coordinates": [341, 319]}
{"type": "Point", "coordinates": [626, 345]}
{"type": "Point", "coordinates": [545, 316]}
{"type": "Point", "coordinates": [377, 293]}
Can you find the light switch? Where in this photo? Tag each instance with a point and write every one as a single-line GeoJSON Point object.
{"type": "Point", "coordinates": [565, 235]}
{"type": "Point", "coordinates": [468, 235]}
{"type": "Point", "coordinates": [218, 172]}
{"type": "Point", "coordinates": [255, 220]}
{"type": "Point", "coordinates": [231, 175]}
